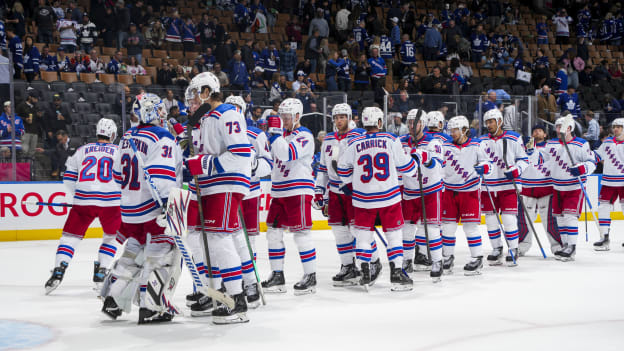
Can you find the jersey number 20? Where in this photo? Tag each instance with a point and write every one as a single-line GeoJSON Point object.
{"type": "Point", "coordinates": [104, 171]}
{"type": "Point", "coordinates": [377, 167]}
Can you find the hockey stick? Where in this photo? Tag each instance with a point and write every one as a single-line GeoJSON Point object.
{"type": "Point", "coordinates": [251, 254]}
{"type": "Point", "coordinates": [500, 223]}
{"type": "Point", "coordinates": [46, 203]}
{"type": "Point", "coordinates": [381, 237]}
{"type": "Point", "coordinates": [217, 295]}
{"type": "Point", "coordinates": [424, 210]}
{"type": "Point", "coordinates": [580, 181]}
{"type": "Point", "coordinates": [526, 214]}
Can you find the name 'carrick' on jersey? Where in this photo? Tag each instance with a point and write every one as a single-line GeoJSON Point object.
{"type": "Point", "coordinates": [162, 159]}
{"type": "Point", "coordinates": [332, 149]}
{"type": "Point", "coordinates": [431, 174]}
{"type": "Point", "coordinates": [611, 152]}
{"type": "Point", "coordinates": [537, 174]}
{"type": "Point", "coordinates": [89, 175]}
{"type": "Point", "coordinates": [557, 159]}
{"type": "Point", "coordinates": [223, 134]}
{"type": "Point", "coordinates": [459, 165]}
{"type": "Point", "coordinates": [292, 164]}
{"type": "Point", "coordinates": [515, 155]}
{"type": "Point", "coordinates": [262, 155]}
{"type": "Point", "coordinates": [371, 164]}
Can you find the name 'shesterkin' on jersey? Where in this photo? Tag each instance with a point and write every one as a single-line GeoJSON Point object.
{"type": "Point", "coordinates": [371, 143]}
{"type": "Point", "coordinates": [140, 145]}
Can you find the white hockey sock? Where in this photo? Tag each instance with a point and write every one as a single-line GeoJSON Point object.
{"type": "Point", "coordinates": [569, 226]}
{"type": "Point", "coordinates": [252, 242]}
{"type": "Point", "coordinates": [409, 240]}
{"type": "Point", "coordinates": [494, 232]}
{"type": "Point", "coordinates": [435, 241]}
{"type": "Point", "coordinates": [194, 242]}
{"type": "Point", "coordinates": [307, 252]}
{"type": "Point", "coordinates": [249, 276]}
{"type": "Point", "coordinates": [510, 222]}
{"type": "Point", "coordinates": [223, 254]}
{"type": "Point", "coordinates": [471, 230]}
{"type": "Point", "coordinates": [344, 244]}
{"type": "Point", "coordinates": [277, 250]}
{"type": "Point", "coordinates": [363, 248]}
{"type": "Point", "coordinates": [395, 247]}
{"type": "Point", "coordinates": [604, 217]}
{"type": "Point", "coordinates": [107, 251]}
{"type": "Point", "coordinates": [66, 248]}
{"type": "Point", "coordinates": [448, 238]}
{"type": "Point", "coordinates": [374, 251]}
{"type": "Point", "coordinates": [563, 230]}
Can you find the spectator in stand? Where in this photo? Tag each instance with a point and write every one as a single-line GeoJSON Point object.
{"type": "Point", "coordinates": [436, 83]}
{"type": "Point", "coordinates": [612, 108]}
{"type": "Point", "coordinates": [324, 56]}
{"type": "Point", "coordinates": [592, 135]}
{"type": "Point", "coordinates": [96, 65]}
{"type": "Point", "coordinates": [395, 33]}
{"type": "Point", "coordinates": [65, 148]}
{"type": "Point", "coordinates": [586, 76]}
{"type": "Point", "coordinates": [48, 62]}
{"type": "Point", "coordinates": [270, 60]}
{"type": "Point", "coordinates": [397, 127]}
{"type": "Point", "coordinates": [165, 75]}
{"type": "Point", "coordinates": [247, 53]}
{"type": "Point", "coordinates": [319, 23]}
{"type": "Point", "coordinates": [174, 31]}
{"type": "Point", "coordinates": [299, 82]}
{"type": "Point", "coordinates": [58, 10]}
{"type": "Point", "coordinates": [542, 31]}
{"type": "Point", "coordinates": [378, 73]}
{"type": "Point", "coordinates": [87, 33]}
{"type": "Point", "coordinates": [31, 59]}
{"type": "Point", "coordinates": [342, 24]}
{"type": "Point", "coordinates": [44, 21]}
{"type": "Point", "coordinates": [569, 101]}
{"type": "Point", "coordinates": [114, 65]}
{"type": "Point", "coordinates": [67, 32]}
{"type": "Point", "coordinates": [259, 22]}
{"type": "Point", "coordinates": [450, 34]}
{"type": "Point", "coordinates": [189, 35]}
{"type": "Point", "coordinates": [614, 70]}
{"type": "Point", "coordinates": [134, 43]}
{"type": "Point", "coordinates": [546, 105]}
{"type": "Point", "coordinates": [304, 66]}
{"type": "Point", "coordinates": [206, 29]}
{"type": "Point", "coordinates": [16, 18]}
{"type": "Point", "coordinates": [331, 71]}
{"type": "Point", "coordinates": [239, 76]}
{"type": "Point", "coordinates": [155, 35]}
{"type": "Point", "coordinates": [293, 31]}
{"type": "Point", "coordinates": [108, 27]}
{"type": "Point", "coordinates": [360, 35]}
{"type": "Point", "coordinates": [344, 72]}
{"type": "Point", "coordinates": [361, 79]}
{"type": "Point", "coordinates": [561, 79]}
{"type": "Point", "coordinates": [562, 22]}
{"type": "Point", "coordinates": [76, 13]}
{"type": "Point", "coordinates": [480, 43]}
{"type": "Point", "coordinates": [242, 16]}
{"type": "Point", "coordinates": [134, 68]}
{"type": "Point", "coordinates": [224, 81]}
{"type": "Point", "coordinates": [494, 13]}
{"type": "Point", "coordinates": [306, 97]}
{"type": "Point", "coordinates": [170, 101]}
{"type": "Point", "coordinates": [122, 22]}
{"type": "Point", "coordinates": [463, 69]}
{"type": "Point", "coordinates": [16, 50]}
{"type": "Point", "coordinates": [136, 13]}
{"type": "Point", "coordinates": [256, 117]}
{"type": "Point", "coordinates": [32, 118]}
{"type": "Point", "coordinates": [6, 127]}
{"type": "Point", "coordinates": [601, 72]}
{"type": "Point", "coordinates": [432, 44]}
{"type": "Point", "coordinates": [313, 50]}
{"type": "Point", "coordinates": [56, 117]}
{"type": "Point", "coordinates": [225, 53]}
{"type": "Point", "coordinates": [257, 81]}
{"type": "Point", "coordinates": [278, 87]}
{"type": "Point", "coordinates": [288, 61]}
{"type": "Point", "coordinates": [352, 47]}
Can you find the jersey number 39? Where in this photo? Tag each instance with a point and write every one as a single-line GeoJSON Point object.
{"type": "Point", "coordinates": [377, 166]}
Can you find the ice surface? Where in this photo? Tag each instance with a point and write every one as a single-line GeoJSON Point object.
{"type": "Point", "coordinates": [539, 305]}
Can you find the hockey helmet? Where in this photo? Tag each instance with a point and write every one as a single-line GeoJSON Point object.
{"type": "Point", "coordinates": [341, 109]}
{"type": "Point", "coordinates": [237, 101]}
{"type": "Point", "coordinates": [292, 107]}
{"type": "Point", "coordinates": [198, 82]}
{"type": "Point", "coordinates": [435, 119]}
{"type": "Point", "coordinates": [371, 117]}
{"type": "Point", "coordinates": [106, 127]}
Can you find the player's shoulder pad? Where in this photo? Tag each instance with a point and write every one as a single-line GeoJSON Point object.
{"type": "Point", "coordinates": [253, 132]}
{"type": "Point", "coordinates": [356, 139]}
{"type": "Point", "coordinates": [159, 132]}
{"type": "Point", "coordinates": [301, 130]}
{"type": "Point", "coordinates": [609, 140]}
{"type": "Point", "coordinates": [445, 136]}
{"type": "Point", "coordinates": [512, 135]}
{"type": "Point", "coordinates": [330, 136]}
{"type": "Point", "coordinates": [390, 136]}
{"type": "Point", "coordinates": [578, 141]}
{"type": "Point", "coordinates": [355, 132]}
{"type": "Point", "coordinates": [221, 110]}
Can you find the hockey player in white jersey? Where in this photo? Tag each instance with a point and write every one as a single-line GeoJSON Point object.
{"type": "Point", "coordinates": [464, 162]}
{"type": "Point", "coordinates": [329, 197]}
{"type": "Point", "coordinates": [434, 121]}
{"type": "Point", "coordinates": [89, 180]}
{"type": "Point", "coordinates": [537, 193]}
{"type": "Point", "coordinates": [261, 166]}
{"type": "Point", "coordinates": [292, 190]}
{"type": "Point", "coordinates": [428, 183]}
{"type": "Point", "coordinates": [223, 164]}
{"type": "Point", "coordinates": [611, 153]}
{"type": "Point", "coordinates": [505, 151]}
{"type": "Point", "coordinates": [565, 172]}
{"type": "Point", "coordinates": [142, 226]}
{"type": "Point", "coordinates": [369, 170]}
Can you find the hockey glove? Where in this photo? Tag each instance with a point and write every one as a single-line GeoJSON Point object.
{"type": "Point", "coordinates": [177, 127]}
{"type": "Point", "coordinates": [275, 125]}
{"type": "Point", "coordinates": [318, 202]}
{"type": "Point", "coordinates": [347, 189]}
{"type": "Point", "coordinates": [512, 172]}
{"type": "Point", "coordinates": [482, 168]}
{"type": "Point", "coordinates": [421, 157]}
{"type": "Point", "coordinates": [161, 220]}
{"type": "Point", "coordinates": [200, 164]}
{"type": "Point", "coordinates": [578, 170]}
{"type": "Point", "coordinates": [254, 166]}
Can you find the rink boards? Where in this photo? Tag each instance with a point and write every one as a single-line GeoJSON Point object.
{"type": "Point", "coordinates": [32, 222]}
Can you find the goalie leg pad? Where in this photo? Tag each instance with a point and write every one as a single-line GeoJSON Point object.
{"type": "Point", "coordinates": [163, 274]}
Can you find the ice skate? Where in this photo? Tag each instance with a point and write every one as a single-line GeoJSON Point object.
{"type": "Point", "coordinates": [568, 253]}
{"type": "Point", "coordinates": [365, 279]}
{"type": "Point", "coordinates": [448, 263]}
{"type": "Point", "coordinates": [148, 316]}
{"type": "Point", "coordinates": [375, 271]}
{"type": "Point", "coordinates": [399, 280]}
{"type": "Point", "coordinates": [523, 248]}
{"type": "Point", "coordinates": [347, 276]}
{"type": "Point", "coordinates": [496, 257]}
{"type": "Point", "coordinates": [253, 295]}
{"type": "Point", "coordinates": [436, 271]}
{"type": "Point", "coordinates": [99, 274]}
{"type": "Point", "coordinates": [602, 244]}
{"type": "Point", "coordinates": [559, 252]}
{"type": "Point", "coordinates": [275, 283]}
{"type": "Point", "coordinates": [110, 308]}
{"type": "Point", "coordinates": [422, 263]}
{"type": "Point", "coordinates": [307, 285]}
{"type": "Point", "coordinates": [474, 266]}
{"type": "Point", "coordinates": [193, 298]}
{"type": "Point", "coordinates": [57, 277]}
{"type": "Point", "coordinates": [407, 266]}
{"type": "Point", "coordinates": [224, 315]}
{"type": "Point", "coordinates": [512, 261]}
{"type": "Point", "coordinates": [202, 307]}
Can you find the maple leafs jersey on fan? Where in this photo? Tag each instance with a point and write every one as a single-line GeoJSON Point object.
{"type": "Point", "coordinates": [162, 159]}
{"type": "Point", "coordinates": [89, 175]}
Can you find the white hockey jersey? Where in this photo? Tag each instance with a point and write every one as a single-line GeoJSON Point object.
{"type": "Point", "coordinates": [292, 164]}
{"type": "Point", "coordinates": [537, 174]}
{"type": "Point", "coordinates": [223, 135]}
{"type": "Point", "coordinates": [515, 156]}
{"type": "Point", "coordinates": [162, 159]}
{"type": "Point", "coordinates": [611, 152]}
{"type": "Point", "coordinates": [558, 161]}
{"type": "Point", "coordinates": [332, 149]}
{"type": "Point", "coordinates": [89, 175]}
{"type": "Point", "coordinates": [262, 155]}
{"type": "Point", "coordinates": [431, 175]}
{"type": "Point", "coordinates": [459, 165]}
{"type": "Point", "coordinates": [371, 163]}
